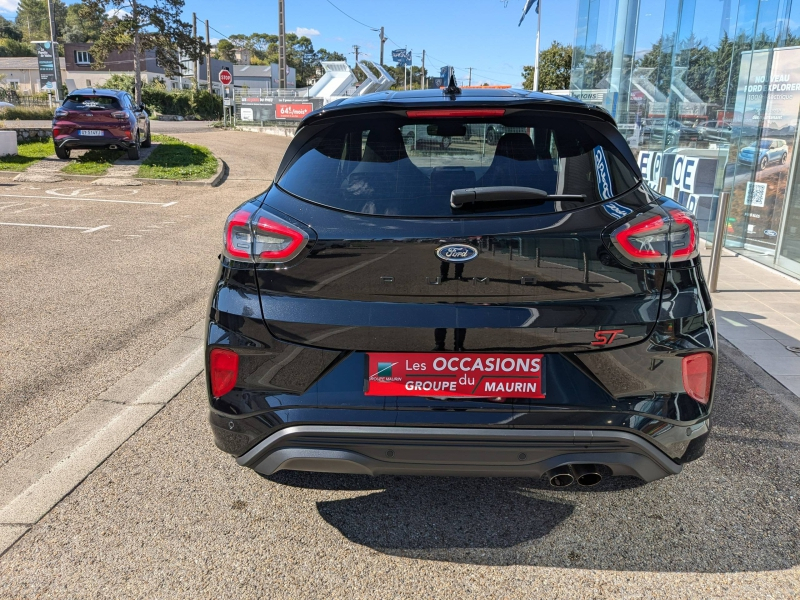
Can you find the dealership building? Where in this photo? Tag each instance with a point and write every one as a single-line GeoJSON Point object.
{"type": "Point", "coordinates": [708, 94]}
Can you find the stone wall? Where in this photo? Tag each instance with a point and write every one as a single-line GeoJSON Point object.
{"type": "Point", "coordinates": [25, 134]}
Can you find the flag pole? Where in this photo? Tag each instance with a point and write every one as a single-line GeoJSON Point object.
{"type": "Point", "coordinates": [538, 31]}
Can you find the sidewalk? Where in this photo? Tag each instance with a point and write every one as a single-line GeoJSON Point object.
{"type": "Point", "coordinates": [758, 311]}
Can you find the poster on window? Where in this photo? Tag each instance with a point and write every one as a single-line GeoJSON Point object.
{"type": "Point", "coordinates": [763, 132]}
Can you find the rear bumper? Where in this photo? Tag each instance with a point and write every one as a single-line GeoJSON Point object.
{"type": "Point", "coordinates": [75, 143]}
{"type": "Point", "coordinates": [456, 451]}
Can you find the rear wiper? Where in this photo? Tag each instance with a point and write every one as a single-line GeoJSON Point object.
{"type": "Point", "coordinates": [505, 193]}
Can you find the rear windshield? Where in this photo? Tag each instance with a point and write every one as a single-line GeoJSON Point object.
{"type": "Point", "coordinates": [86, 102]}
{"type": "Point", "coordinates": [391, 165]}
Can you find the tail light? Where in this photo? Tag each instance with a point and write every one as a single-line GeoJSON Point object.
{"type": "Point", "coordinates": [682, 236]}
{"type": "Point", "coordinates": [697, 370]}
{"type": "Point", "coordinates": [61, 112]}
{"type": "Point", "coordinates": [254, 235]}
{"type": "Point", "coordinates": [651, 237]}
{"type": "Point", "coordinates": [223, 371]}
{"type": "Point", "coordinates": [56, 132]}
{"type": "Point", "coordinates": [120, 114]}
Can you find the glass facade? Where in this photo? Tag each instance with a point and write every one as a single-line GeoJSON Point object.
{"type": "Point", "coordinates": [707, 92]}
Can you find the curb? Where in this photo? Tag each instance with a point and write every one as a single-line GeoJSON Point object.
{"type": "Point", "coordinates": [34, 481]}
{"type": "Point", "coordinates": [211, 182]}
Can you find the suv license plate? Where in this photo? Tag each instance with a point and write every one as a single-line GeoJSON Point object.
{"type": "Point", "coordinates": [448, 374]}
{"type": "Point", "coordinates": [92, 132]}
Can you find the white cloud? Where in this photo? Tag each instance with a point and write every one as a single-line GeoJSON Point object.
{"type": "Point", "coordinates": [113, 12]}
{"type": "Point", "coordinates": [301, 31]}
{"type": "Point", "coordinates": [214, 41]}
{"type": "Point", "coordinates": [8, 6]}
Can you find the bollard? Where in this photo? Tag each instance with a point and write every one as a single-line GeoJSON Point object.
{"type": "Point", "coordinates": [719, 237]}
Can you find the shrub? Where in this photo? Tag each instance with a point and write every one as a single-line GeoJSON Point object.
{"type": "Point", "coordinates": [157, 98]}
{"type": "Point", "coordinates": [27, 113]}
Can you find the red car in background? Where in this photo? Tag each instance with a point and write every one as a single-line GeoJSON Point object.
{"type": "Point", "coordinates": [92, 118]}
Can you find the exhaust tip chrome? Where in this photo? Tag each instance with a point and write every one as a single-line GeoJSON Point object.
{"type": "Point", "coordinates": [560, 477]}
{"type": "Point", "coordinates": [587, 475]}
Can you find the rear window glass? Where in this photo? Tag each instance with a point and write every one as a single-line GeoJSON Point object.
{"type": "Point", "coordinates": [391, 165]}
{"type": "Point", "coordinates": [86, 102]}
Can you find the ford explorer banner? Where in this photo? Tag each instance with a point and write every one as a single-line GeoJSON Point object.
{"type": "Point", "coordinates": [292, 111]}
{"type": "Point", "coordinates": [442, 374]}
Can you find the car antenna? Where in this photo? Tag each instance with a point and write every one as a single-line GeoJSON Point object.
{"type": "Point", "coordinates": [452, 88]}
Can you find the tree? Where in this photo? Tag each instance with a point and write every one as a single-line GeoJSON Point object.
{"type": "Point", "coordinates": [555, 66]}
{"type": "Point", "coordinates": [325, 55]}
{"type": "Point", "coordinates": [9, 47]}
{"type": "Point", "coordinates": [83, 26]}
{"type": "Point", "coordinates": [144, 25]}
{"type": "Point", "coordinates": [34, 20]}
{"type": "Point", "coordinates": [225, 51]}
{"type": "Point", "coordinates": [9, 30]}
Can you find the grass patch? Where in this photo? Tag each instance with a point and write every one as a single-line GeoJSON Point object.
{"type": "Point", "coordinates": [174, 159]}
{"type": "Point", "coordinates": [93, 162]}
{"type": "Point", "coordinates": [29, 153]}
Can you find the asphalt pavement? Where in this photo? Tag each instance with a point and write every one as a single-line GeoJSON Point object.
{"type": "Point", "coordinates": [100, 278]}
{"type": "Point", "coordinates": [167, 515]}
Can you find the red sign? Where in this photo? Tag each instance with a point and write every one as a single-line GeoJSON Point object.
{"type": "Point", "coordinates": [225, 77]}
{"type": "Point", "coordinates": [448, 374]}
{"type": "Point", "coordinates": [292, 111]}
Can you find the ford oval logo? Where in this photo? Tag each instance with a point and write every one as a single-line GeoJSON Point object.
{"type": "Point", "coordinates": [456, 253]}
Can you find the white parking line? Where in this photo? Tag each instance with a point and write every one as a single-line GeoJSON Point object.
{"type": "Point", "coordinates": [77, 198]}
{"type": "Point", "coordinates": [96, 229]}
{"type": "Point", "coordinates": [85, 229]}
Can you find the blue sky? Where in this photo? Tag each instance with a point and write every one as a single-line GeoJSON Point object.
{"type": "Point", "coordinates": [465, 33]}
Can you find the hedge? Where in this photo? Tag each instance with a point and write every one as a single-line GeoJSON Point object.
{"type": "Point", "coordinates": [155, 96]}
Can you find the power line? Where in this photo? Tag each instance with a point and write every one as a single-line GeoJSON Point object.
{"type": "Point", "coordinates": [352, 18]}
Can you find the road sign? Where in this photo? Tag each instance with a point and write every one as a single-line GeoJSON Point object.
{"type": "Point", "coordinates": [225, 77]}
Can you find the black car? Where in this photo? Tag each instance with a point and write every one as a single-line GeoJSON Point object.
{"type": "Point", "coordinates": [524, 309]}
{"type": "Point", "coordinates": [97, 118]}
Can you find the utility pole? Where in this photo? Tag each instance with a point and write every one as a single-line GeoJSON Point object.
{"type": "Point", "coordinates": [208, 59]}
{"type": "Point", "coordinates": [54, 45]}
{"type": "Point", "coordinates": [356, 48]}
{"type": "Point", "coordinates": [281, 45]}
{"type": "Point", "coordinates": [422, 85]}
{"type": "Point", "coordinates": [470, 76]}
{"type": "Point", "coordinates": [383, 40]}
{"type": "Point", "coordinates": [196, 60]}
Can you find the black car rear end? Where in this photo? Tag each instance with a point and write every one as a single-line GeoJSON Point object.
{"type": "Point", "coordinates": [465, 308]}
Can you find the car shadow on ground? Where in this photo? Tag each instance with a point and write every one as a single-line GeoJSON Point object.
{"type": "Point", "coordinates": [736, 509]}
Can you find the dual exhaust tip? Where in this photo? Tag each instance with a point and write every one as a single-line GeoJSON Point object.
{"type": "Point", "coordinates": [566, 475]}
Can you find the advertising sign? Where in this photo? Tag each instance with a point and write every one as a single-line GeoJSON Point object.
{"type": "Point", "coordinates": [47, 55]}
{"type": "Point", "coordinates": [402, 57]}
{"type": "Point", "coordinates": [292, 111]}
{"type": "Point", "coordinates": [443, 374]}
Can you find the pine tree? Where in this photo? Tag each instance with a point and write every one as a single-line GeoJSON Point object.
{"type": "Point", "coordinates": [33, 19]}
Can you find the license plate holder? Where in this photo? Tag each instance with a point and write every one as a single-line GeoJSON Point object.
{"type": "Point", "coordinates": [463, 374]}
{"type": "Point", "coordinates": [91, 132]}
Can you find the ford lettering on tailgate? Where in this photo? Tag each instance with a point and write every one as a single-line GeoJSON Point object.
{"type": "Point", "coordinates": [444, 374]}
